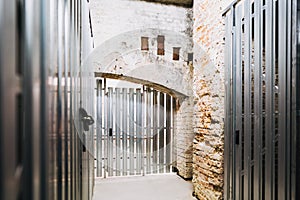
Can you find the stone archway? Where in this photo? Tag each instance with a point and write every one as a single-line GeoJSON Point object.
{"type": "Point", "coordinates": [122, 56]}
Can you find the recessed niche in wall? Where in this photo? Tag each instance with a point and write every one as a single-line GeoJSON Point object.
{"type": "Point", "coordinates": [176, 51]}
{"type": "Point", "coordinates": [160, 45]}
{"type": "Point", "coordinates": [144, 43]}
{"type": "Point", "coordinates": [190, 57]}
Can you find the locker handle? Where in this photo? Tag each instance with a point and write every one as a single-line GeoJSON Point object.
{"type": "Point", "coordinates": [110, 132]}
{"type": "Point", "coordinates": [86, 119]}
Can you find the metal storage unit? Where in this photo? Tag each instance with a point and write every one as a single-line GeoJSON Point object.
{"type": "Point", "coordinates": [42, 150]}
{"type": "Point", "coordinates": [134, 131]}
{"type": "Point", "coordinates": [261, 137]}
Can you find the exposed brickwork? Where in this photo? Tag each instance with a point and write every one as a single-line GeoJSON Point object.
{"type": "Point", "coordinates": [184, 116]}
{"type": "Point", "coordinates": [185, 135]}
{"type": "Point", "coordinates": [209, 94]}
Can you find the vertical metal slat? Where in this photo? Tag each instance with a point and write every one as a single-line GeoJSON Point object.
{"type": "Point", "coordinates": [155, 132]}
{"type": "Point", "coordinates": [148, 129]}
{"type": "Point", "coordinates": [288, 97]}
{"type": "Point", "coordinates": [295, 99]}
{"type": "Point", "coordinates": [124, 130]}
{"type": "Point", "coordinates": [161, 133]}
{"type": "Point", "coordinates": [257, 98]}
{"type": "Point", "coordinates": [143, 130]}
{"type": "Point", "coordinates": [110, 132]}
{"type": "Point", "coordinates": [227, 143]}
{"type": "Point", "coordinates": [168, 133]}
{"type": "Point", "coordinates": [282, 128]}
{"type": "Point", "coordinates": [139, 129]}
{"type": "Point", "coordinates": [59, 128]}
{"type": "Point", "coordinates": [269, 53]}
{"type": "Point", "coordinates": [294, 105]}
{"type": "Point", "coordinates": [131, 130]}
{"type": "Point", "coordinates": [233, 107]}
{"type": "Point", "coordinates": [99, 128]}
{"type": "Point", "coordinates": [117, 130]}
{"type": "Point", "coordinates": [105, 130]}
{"type": "Point", "coordinates": [238, 104]}
{"type": "Point", "coordinates": [247, 103]}
{"type": "Point", "coordinates": [8, 93]}
{"type": "Point", "coordinates": [173, 138]}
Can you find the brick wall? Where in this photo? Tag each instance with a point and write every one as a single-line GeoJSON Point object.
{"type": "Point", "coordinates": [184, 133]}
{"type": "Point", "coordinates": [209, 91]}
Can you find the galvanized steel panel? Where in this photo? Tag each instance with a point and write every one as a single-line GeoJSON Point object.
{"type": "Point", "coordinates": [228, 130]}
{"type": "Point", "coordinates": [282, 92]}
{"type": "Point", "coordinates": [265, 164]}
{"type": "Point", "coordinates": [139, 131]}
{"type": "Point", "coordinates": [131, 132]}
{"type": "Point", "coordinates": [148, 130]}
{"type": "Point", "coordinates": [155, 132]}
{"type": "Point", "coordinates": [168, 145]}
{"type": "Point", "coordinates": [238, 99]}
{"type": "Point", "coordinates": [161, 139]}
{"type": "Point", "coordinates": [269, 82]}
{"type": "Point", "coordinates": [117, 124]}
{"type": "Point", "coordinates": [99, 128]}
{"type": "Point", "coordinates": [247, 100]}
{"type": "Point", "coordinates": [124, 130]}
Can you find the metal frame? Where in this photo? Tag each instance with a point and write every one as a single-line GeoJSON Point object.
{"type": "Point", "coordinates": [99, 128]}
{"type": "Point", "coordinates": [247, 100]}
{"type": "Point", "coordinates": [227, 140]}
{"type": "Point", "coordinates": [255, 170]}
{"type": "Point", "coordinates": [269, 82]}
{"type": "Point", "coordinates": [139, 131]}
{"type": "Point", "coordinates": [295, 172]}
{"type": "Point", "coordinates": [140, 141]}
{"type": "Point", "coordinates": [125, 129]}
{"type": "Point", "coordinates": [118, 130]}
{"type": "Point", "coordinates": [9, 87]}
{"type": "Point", "coordinates": [41, 149]}
{"type": "Point", "coordinates": [257, 98]}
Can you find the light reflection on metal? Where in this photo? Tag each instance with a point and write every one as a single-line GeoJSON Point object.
{"type": "Point", "coordinates": [258, 100]}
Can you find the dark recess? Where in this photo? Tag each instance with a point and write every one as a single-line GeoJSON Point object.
{"type": "Point", "coordinates": [183, 3]}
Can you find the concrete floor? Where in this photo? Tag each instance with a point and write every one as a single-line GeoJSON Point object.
{"type": "Point", "coordinates": [150, 187]}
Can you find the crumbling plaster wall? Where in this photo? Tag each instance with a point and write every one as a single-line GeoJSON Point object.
{"type": "Point", "coordinates": [112, 20]}
{"type": "Point", "coordinates": [209, 92]}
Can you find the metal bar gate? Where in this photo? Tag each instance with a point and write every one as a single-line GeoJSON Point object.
{"type": "Point", "coordinates": [259, 124]}
{"type": "Point", "coordinates": [134, 131]}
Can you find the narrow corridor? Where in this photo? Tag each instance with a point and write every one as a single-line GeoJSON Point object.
{"type": "Point", "coordinates": [152, 187]}
{"type": "Point", "coordinates": [94, 94]}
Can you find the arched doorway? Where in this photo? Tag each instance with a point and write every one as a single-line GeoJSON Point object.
{"type": "Point", "coordinates": [134, 129]}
